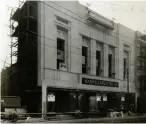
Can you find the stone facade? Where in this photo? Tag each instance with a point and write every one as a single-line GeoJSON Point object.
{"type": "Point", "coordinates": [68, 20]}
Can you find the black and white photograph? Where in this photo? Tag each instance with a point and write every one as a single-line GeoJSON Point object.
{"type": "Point", "coordinates": [80, 61]}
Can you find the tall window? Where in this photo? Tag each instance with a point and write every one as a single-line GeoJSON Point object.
{"type": "Point", "coordinates": [99, 58]}
{"type": "Point", "coordinates": [60, 51]}
{"type": "Point", "coordinates": [125, 65]}
{"type": "Point", "coordinates": [84, 59]}
{"type": "Point", "coordinates": [110, 65]}
{"type": "Point", "coordinates": [98, 64]}
{"type": "Point", "coordinates": [111, 62]}
{"type": "Point", "coordinates": [124, 72]}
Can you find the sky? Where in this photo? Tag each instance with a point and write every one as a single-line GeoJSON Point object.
{"type": "Point", "coordinates": [129, 13]}
{"type": "Point", "coordinates": [5, 31]}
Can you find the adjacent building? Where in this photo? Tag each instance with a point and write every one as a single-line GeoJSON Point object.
{"type": "Point", "coordinates": [72, 58]}
{"type": "Point", "coordinates": [141, 71]}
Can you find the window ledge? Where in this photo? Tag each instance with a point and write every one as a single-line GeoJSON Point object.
{"type": "Point", "coordinates": [62, 25]}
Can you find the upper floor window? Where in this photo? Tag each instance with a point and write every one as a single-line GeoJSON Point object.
{"type": "Point", "coordinates": [111, 62]}
{"type": "Point", "coordinates": [84, 59]}
{"type": "Point", "coordinates": [99, 60]}
{"type": "Point", "coordinates": [125, 65]}
{"type": "Point", "coordinates": [62, 38]}
{"type": "Point", "coordinates": [124, 72]}
{"type": "Point", "coordinates": [60, 51]}
{"type": "Point", "coordinates": [85, 55]}
{"type": "Point", "coordinates": [32, 11]}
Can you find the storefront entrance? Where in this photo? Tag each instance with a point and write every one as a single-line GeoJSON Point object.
{"type": "Point", "coordinates": [87, 101]}
{"type": "Point", "coordinates": [114, 100]}
{"type": "Point", "coordinates": [70, 101]}
{"type": "Point", "coordinates": [92, 103]}
{"type": "Point", "coordinates": [60, 100]}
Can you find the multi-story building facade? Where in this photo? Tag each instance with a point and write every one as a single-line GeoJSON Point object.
{"type": "Point", "coordinates": [83, 56]}
{"type": "Point", "coordinates": [141, 70]}
{"type": "Point", "coordinates": [85, 61]}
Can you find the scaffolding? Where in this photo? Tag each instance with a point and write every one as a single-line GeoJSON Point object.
{"type": "Point", "coordinates": [14, 42]}
{"type": "Point", "coordinates": [23, 35]}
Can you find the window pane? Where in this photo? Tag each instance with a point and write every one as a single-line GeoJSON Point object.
{"type": "Point", "coordinates": [84, 59]}
{"type": "Point", "coordinates": [110, 65]}
{"type": "Point", "coordinates": [124, 68]}
{"type": "Point", "coordinates": [98, 62]}
{"type": "Point", "coordinates": [60, 51]}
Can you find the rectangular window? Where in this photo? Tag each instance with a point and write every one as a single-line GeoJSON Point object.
{"type": "Point", "coordinates": [110, 65]}
{"type": "Point", "coordinates": [32, 11]}
{"type": "Point", "coordinates": [98, 62]}
{"type": "Point", "coordinates": [124, 69]}
{"type": "Point", "coordinates": [111, 62]}
{"type": "Point", "coordinates": [60, 51]}
{"type": "Point", "coordinates": [84, 59]}
{"type": "Point", "coordinates": [125, 65]}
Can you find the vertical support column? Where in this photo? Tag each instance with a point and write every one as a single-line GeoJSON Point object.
{"type": "Point", "coordinates": [77, 102]}
{"type": "Point", "coordinates": [69, 50]}
{"type": "Point", "coordinates": [96, 102]}
{"type": "Point", "coordinates": [105, 68]}
{"type": "Point", "coordinates": [80, 55]}
{"type": "Point", "coordinates": [121, 62]}
{"type": "Point", "coordinates": [44, 100]}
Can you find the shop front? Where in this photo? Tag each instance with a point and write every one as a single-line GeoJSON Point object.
{"type": "Point", "coordinates": [86, 100]}
{"type": "Point", "coordinates": [66, 100]}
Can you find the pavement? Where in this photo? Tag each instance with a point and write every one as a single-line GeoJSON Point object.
{"type": "Point", "coordinates": [126, 119]}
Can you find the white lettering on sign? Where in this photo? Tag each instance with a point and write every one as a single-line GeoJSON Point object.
{"type": "Point", "coordinates": [99, 82]}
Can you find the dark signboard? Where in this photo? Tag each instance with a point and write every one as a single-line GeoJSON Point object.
{"type": "Point", "coordinates": [99, 82]}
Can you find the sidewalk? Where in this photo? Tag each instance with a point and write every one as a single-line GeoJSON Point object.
{"type": "Point", "coordinates": [132, 119]}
